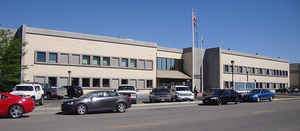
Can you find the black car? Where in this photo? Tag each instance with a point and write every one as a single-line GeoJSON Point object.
{"type": "Point", "coordinates": [223, 96]}
{"type": "Point", "coordinates": [74, 91]}
{"type": "Point", "coordinates": [97, 101]}
{"type": "Point", "coordinates": [160, 95]}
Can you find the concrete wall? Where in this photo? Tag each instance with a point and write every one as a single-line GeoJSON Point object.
{"type": "Point", "coordinates": [295, 75]}
{"type": "Point", "coordinates": [251, 61]}
{"type": "Point", "coordinates": [212, 68]}
{"type": "Point", "coordinates": [37, 42]}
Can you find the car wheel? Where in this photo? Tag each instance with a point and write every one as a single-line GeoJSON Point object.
{"type": "Point", "coordinates": [219, 102]}
{"type": "Point", "coordinates": [270, 99]}
{"type": "Point", "coordinates": [81, 109]}
{"type": "Point", "coordinates": [41, 101]}
{"type": "Point", "coordinates": [258, 99]}
{"type": "Point", "coordinates": [121, 107]}
{"type": "Point", "coordinates": [16, 111]}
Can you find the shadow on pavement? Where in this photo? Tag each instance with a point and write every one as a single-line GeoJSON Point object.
{"type": "Point", "coordinates": [7, 117]}
{"type": "Point", "coordinates": [89, 113]}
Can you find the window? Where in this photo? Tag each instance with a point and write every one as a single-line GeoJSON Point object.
{"type": "Point", "coordinates": [96, 82]}
{"type": "Point", "coordinates": [75, 59]}
{"type": "Point", "coordinates": [133, 63]}
{"type": "Point", "coordinates": [141, 64]}
{"type": "Point", "coordinates": [240, 69]}
{"type": "Point", "coordinates": [268, 72]}
{"type": "Point", "coordinates": [41, 56]}
{"type": "Point", "coordinates": [115, 61]}
{"type": "Point", "coordinates": [106, 61]}
{"type": "Point", "coordinates": [260, 71]}
{"type": "Point", "coordinates": [105, 83]}
{"type": "Point", "coordinates": [86, 82]}
{"type": "Point", "coordinates": [158, 63]}
{"type": "Point", "coordinates": [124, 62]}
{"type": "Point", "coordinates": [169, 64]}
{"type": "Point", "coordinates": [111, 93]}
{"type": "Point", "coordinates": [96, 60]}
{"type": "Point", "coordinates": [3, 97]}
{"type": "Point", "coordinates": [124, 81]}
{"type": "Point", "coordinates": [253, 70]}
{"type": "Point", "coordinates": [64, 58]}
{"type": "Point", "coordinates": [226, 68]}
{"type": "Point", "coordinates": [163, 63]}
{"type": "Point", "coordinates": [52, 81]}
{"type": "Point", "coordinates": [53, 57]}
{"type": "Point", "coordinates": [75, 82]}
{"type": "Point", "coordinates": [149, 64]}
{"type": "Point", "coordinates": [149, 84]}
{"type": "Point", "coordinates": [230, 68]}
{"type": "Point", "coordinates": [226, 84]}
{"type": "Point", "coordinates": [85, 59]}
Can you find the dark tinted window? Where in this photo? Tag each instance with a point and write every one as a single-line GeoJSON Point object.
{"type": "Point", "coordinates": [41, 56]}
{"type": "Point", "coordinates": [24, 88]}
{"type": "Point", "coordinates": [111, 93]}
{"type": "Point", "coordinates": [126, 88]}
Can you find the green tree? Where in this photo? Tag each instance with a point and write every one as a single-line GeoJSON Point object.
{"type": "Point", "coordinates": [10, 60]}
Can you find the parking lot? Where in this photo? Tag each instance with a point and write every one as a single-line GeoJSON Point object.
{"type": "Point", "coordinates": [276, 115]}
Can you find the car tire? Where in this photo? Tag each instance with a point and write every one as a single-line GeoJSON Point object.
{"type": "Point", "coordinates": [219, 102]}
{"type": "Point", "coordinates": [15, 111]}
{"type": "Point", "coordinates": [81, 109]}
{"type": "Point", "coordinates": [120, 107]}
{"type": "Point", "coordinates": [41, 101]}
{"type": "Point", "coordinates": [258, 99]}
{"type": "Point", "coordinates": [270, 99]}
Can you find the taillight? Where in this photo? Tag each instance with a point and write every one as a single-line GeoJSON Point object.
{"type": "Point", "coordinates": [129, 99]}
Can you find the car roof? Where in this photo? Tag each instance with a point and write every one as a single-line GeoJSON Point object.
{"type": "Point", "coordinates": [25, 84]}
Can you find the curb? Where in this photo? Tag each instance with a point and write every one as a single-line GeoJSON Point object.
{"type": "Point", "coordinates": [285, 99]}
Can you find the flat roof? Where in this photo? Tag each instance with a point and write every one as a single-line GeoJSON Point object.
{"type": "Point", "coordinates": [174, 50]}
{"type": "Point", "coordinates": [47, 32]}
{"type": "Point", "coordinates": [231, 52]}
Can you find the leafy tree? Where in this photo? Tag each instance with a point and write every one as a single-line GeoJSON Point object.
{"type": "Point", "coordinates": [10, 60]}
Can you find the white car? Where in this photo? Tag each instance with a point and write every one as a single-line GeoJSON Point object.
{"type": "Point", "coordinates": [34, 91]}
{"type": "Point", "coordinates": [183, 93]}
{"type": "Point", "coordinates": [128, 91]}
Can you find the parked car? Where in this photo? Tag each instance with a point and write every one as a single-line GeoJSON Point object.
{"type": "Point", "coordinates": [54, 92]}
{"type": "Point", "coordinates": [293, 90]}
{"type": "Point", "coordinates": [259, 95]}
{"type": "Point", "coordinates": [97, 101]}
{"type": "Point", "coordinates": [282, 90]}
{"type": "Point", "coordinates": [183, 93]}
{"type": "Point", "coordinates": [33, 91]}
{"type": "Point", "coordinates": [15, 106]}
{"type": "Point", "coordinates": [223, 96]}
{"type": "Point", "coordinates": [128, 91]}
{"type": "Point", "coordinates": [74, 91]}
{"type": "Point", "coordinates": [160, 95]}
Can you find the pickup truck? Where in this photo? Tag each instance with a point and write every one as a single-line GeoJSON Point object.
{"type": "Point", "coordinates": [33, 91]}
{"type": "Point", "coordinates": [54, 92]}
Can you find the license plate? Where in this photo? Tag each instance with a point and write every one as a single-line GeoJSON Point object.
{"type": "Point", "coordinates": [162, 99]}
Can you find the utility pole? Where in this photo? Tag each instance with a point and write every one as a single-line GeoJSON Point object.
{"type": "Point", "coordinates": [193, 47]}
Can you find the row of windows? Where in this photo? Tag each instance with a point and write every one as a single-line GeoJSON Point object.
{"type": "Point", "coordinates": [169, 64]}
{"type": "Point", "coordinates": [254, 71]}
{"type": "Point", "coordinates": [228, 84]}
{"type": "Point", "coordinates": [76, 59]}
{"type": "Point", "coordinates": [94, 82]}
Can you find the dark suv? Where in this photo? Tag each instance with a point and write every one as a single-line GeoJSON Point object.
{"type": "Point", "coordinates": [160, 95]}
{"type": "Point", "coordinates": [74, 91]}
{"type": "Point", "coordinates": [223, 96]}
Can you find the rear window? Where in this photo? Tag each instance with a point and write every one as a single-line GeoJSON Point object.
{"type": "Point", "coordinates": [126, 88]}
{"type": "Point", "coordinates": [182, 89]}
{"type": "Point", "coordinates": [161, 90]}
{"type": "Point", "coordinates": [24, 88]}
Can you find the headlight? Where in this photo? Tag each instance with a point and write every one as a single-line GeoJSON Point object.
{"type": "Point", "coordinates": [177, 94]}
{"type": "Point", "coordinates": [70, 102]}
{"type": "Point", "coordinates": [255, 95]}
{"type": "Point", "coordinates": [214, 98]}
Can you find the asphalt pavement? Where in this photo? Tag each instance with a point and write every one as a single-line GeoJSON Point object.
{"type": "Point", "coordinates": [265, 116]}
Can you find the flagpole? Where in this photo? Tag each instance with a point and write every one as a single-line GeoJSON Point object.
{"type": "Point", "coordinates": [193, 33]}
{"type": "Point", "coordinates": [202, 73]}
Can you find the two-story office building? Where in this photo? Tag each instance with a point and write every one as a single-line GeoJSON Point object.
{"type": "Point", "coordinates": [97, 62]}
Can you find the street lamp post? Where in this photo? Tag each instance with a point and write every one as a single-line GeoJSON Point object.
{"type": "Point", "coordinates": [247, 80]}
{"type": "Point", "coordinates": [69, 79]}
{"type": "Point", "coordinates": [232, 62]}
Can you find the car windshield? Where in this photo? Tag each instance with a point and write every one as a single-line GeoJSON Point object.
{"type": "Point", "coordinates": [217, 92]}
{"type": "Point", "coordinates": [255, 91]}
{"type": "Point", "coordinates": [24, 88]}
{"type": "Point", "coordinates": [161, 91]}
{"type": "Point", "coordinates": [182, 89]}
{"type": "Point", "coordinates": [126, 88]}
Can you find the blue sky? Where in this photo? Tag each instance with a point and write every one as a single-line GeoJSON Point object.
{"type": "Point", "coordinates": [268, 27]}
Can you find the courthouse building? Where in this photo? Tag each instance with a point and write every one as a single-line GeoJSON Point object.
{"type": "Point", "coordinates": [97, 62]}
